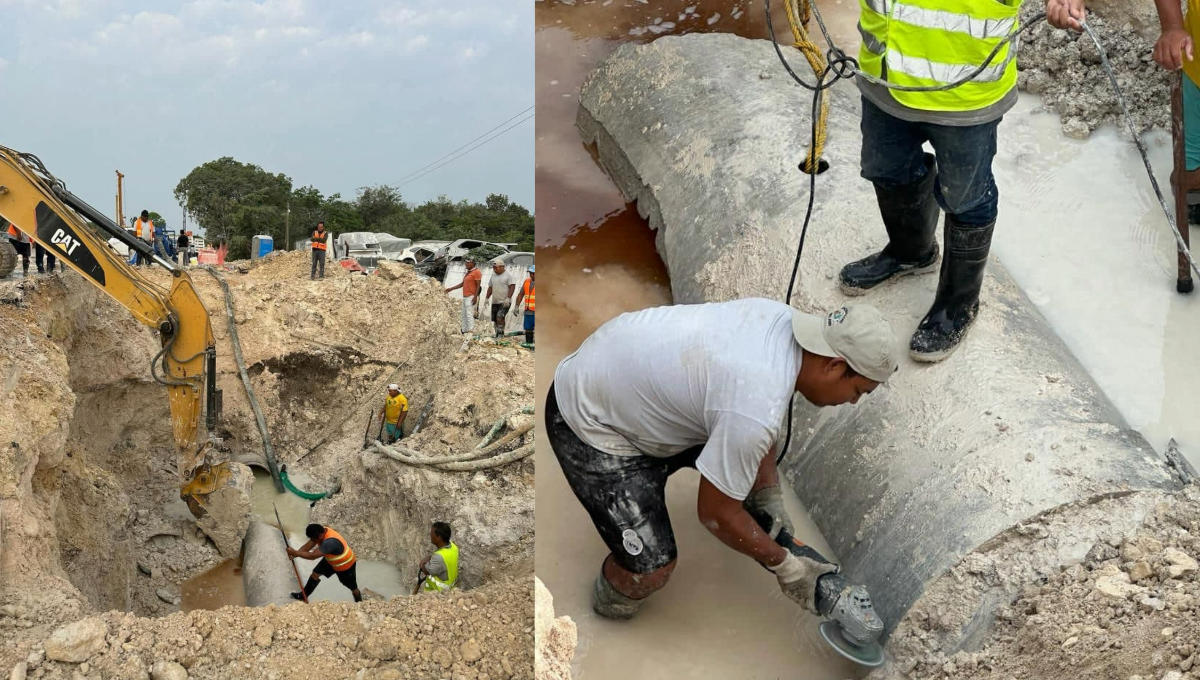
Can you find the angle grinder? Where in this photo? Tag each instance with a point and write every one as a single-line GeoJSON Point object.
{"type": "Point", "coordinates": [851, 627]}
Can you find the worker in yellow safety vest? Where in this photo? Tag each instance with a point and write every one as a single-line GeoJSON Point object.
{"type": "Point", "coordinates": [320, 241]}
{"type": "Point", "coordinates": [336, 557]}
{"type": "Point", "coordinates": [527, 294]}
{"type": "Point", "coordinates": [394, 411]}
{"type": "Point", "coordinates": [439, 572]}
{"type": "Point", "coordinates": [935, 43]}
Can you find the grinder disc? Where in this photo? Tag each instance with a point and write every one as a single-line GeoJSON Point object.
{"type": "Point", "coordinates": [868, 655]}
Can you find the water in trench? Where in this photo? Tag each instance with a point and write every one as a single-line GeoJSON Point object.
{"type": "Point", "coordinates": [1080, 230]}
{"type": "Point", "coordinates": [223, 585]}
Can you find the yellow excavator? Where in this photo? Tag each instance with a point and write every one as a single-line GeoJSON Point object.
{"type": "Point", "coordinates": [38, 203]}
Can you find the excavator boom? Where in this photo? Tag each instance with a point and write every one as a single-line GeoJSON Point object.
{"type": "Point", "coordinates": [37, 203]}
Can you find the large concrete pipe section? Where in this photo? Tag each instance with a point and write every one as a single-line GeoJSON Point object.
{"type": "Point", "coordinates": [265, 569]}
{"type": "Point", "coordinates": [705, 132]}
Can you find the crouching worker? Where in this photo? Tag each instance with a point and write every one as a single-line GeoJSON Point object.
{"type": "Point", "coordinates": [439, 571]}
{"type": "Point", "coordinates": [634, 405]}
{"type": "Point", "coordinates": [336, 557]}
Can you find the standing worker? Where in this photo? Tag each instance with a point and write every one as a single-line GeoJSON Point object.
{"type": "Point", "coordinates": [20, 242]}
{"type": "Point", "coordinates": [929, 44]}
{"type": "Point", "coordinates": [439, 571]}
{"type": "Point", "coordinates": [633, 405]}
{"type": "Point", "coordinates": [143, 229]}
{"type": "Point", "coordinates": [394, 411]}
{"type": "Point", "coordinates": [471, 283]}
{"type": "Point", "coordinates": [336, 557]}
{"type": "Point", "coordinates": [181, 245]}
{"type": "Point", "coordinates": [320, 241]}
{"type": "Point", "coordinates": [500, 290]}
{"type": "Point", "coordinates": [526, 294]}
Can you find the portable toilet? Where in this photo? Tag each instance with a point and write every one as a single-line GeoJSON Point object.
{"type": "Point", "coordinates": [260, 246]}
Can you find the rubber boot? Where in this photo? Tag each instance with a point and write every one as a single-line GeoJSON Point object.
{"type": "Point", "coordinates": [910, 215]}
{"type": "Point", "coordinates": [609, 603]}
{"type": "Point", "coordinates": [957, 302]}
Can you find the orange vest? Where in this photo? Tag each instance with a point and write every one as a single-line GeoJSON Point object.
{"type": "Point", "coordinates": [346, 559]}
{"type": "Point", "coordinates": [149, 227]}
{"type": "Point", "coordinates": [318, 245]}
{"type": "Point", "coordinates": [528, 290]}
{"type": "Point", "coordinates": [17, 233]}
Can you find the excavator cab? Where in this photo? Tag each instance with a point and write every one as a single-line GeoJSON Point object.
{"type": "Point", "coordinates": [41, 206]}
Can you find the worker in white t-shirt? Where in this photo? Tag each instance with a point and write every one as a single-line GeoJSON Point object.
{"type": "Point", "coordinates": [704, 386]}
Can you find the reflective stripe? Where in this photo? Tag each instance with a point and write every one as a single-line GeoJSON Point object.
{"type": "Point", "coordinates": [944, 73]}
{"type": "Point", "coordinates": [980, 29]}
{"type": "Point", "coordinates": [878, 6]}
{"type": "Point", "coordinates": [869, 41]}
{"type": "Point", "coordinates": [343, 561]}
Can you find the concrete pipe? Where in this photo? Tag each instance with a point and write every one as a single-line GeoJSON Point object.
{"type": "Point", "coordinates": [948, 464]}
{"type": "Point", "coordinates": [265, 569]}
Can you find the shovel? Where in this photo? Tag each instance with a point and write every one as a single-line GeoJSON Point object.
{"type": "Point", "coordinates": [367, 434]}
{"type": "Point", "coordinates": [290, 559]}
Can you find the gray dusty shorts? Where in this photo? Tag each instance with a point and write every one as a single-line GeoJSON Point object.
{"type": "Point", "coordinates": [624, 495]}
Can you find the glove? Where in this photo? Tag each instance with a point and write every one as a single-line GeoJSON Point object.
{"type": "Point", "coordinates": [769, 501]}
{"type": "Point", "coordinates": [797, 578]}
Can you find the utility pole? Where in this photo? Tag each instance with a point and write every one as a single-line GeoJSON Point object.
{"type": "Point", "coordinates": [287, 227]}
{"type": "Point", "coordinates": [120, 201]}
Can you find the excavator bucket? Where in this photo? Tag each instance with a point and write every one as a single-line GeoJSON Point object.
{"type": "Point", "coordinates": [219, 497]}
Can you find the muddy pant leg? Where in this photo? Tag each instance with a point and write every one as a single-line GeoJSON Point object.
{"type": "Point", "coordinates": [965, 187]}
{"type": "Point", "coordinates": [529, 327]}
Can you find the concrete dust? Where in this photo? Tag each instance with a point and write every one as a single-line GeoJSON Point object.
{"type": "Point", "coordinates": [89, 494]}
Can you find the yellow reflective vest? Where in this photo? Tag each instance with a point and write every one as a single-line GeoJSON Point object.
{"type": "Point", "coordinates": [434, 584]}
{"type": "Point", "coordinates": [926, 43]}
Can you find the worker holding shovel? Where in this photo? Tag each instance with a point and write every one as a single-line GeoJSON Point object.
{"type": "Point", "coordinates": [336, 557]}
{"type": "Point", "coordinates": [393, 413]}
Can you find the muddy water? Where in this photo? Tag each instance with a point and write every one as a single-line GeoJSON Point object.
{"type": "Point", "coordinates": [1085, 237]}
{"type": "Point", "coordinates": [218, 587]}
{"type": "Point", "coordinates": [721, 615]}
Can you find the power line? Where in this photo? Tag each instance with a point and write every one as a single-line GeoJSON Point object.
{"type": "Point", "coordinates": [484, 142]}
{"type": "Point", "coordinates": [403, 179]}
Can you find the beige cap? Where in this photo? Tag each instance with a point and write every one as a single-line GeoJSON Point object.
{"type": "Point", "coordinates": [857, 333]}
{"type": "Point", "coordinates": [394, 387]}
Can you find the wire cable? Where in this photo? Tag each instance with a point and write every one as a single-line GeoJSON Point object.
{"type": "Point", "coordinates": [404, 178]}
{"type": "Point", "coordinates": [462, 155]}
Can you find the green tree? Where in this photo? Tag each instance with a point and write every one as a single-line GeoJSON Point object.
{"type": "Point", "coordinates": [233, 201]}
{"type": "Point", "coordinates": [376, 204]}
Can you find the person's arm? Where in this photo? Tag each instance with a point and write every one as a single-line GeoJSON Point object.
{"type": "Point", "coordinates": [454, 288]}
{"type": "Point", "coordinates": [488, 294]}
{"type": "Point", "coordinates": [731, 463]}
{"type": "Point", "coordinates": [1174, 43]}
{"type": "Point", "coordinates": [512, 288]}
{"type": "Point", "coordinates": [726, 519]}
{"type": "Point", "coordinates": [1065, 13]}
{"type": "Point", "coordinates": [306, 551]}
{"type": "Point", "coordinates": [403, 415]}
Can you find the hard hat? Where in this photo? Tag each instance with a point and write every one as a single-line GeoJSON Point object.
{"type": "Point", "coordinates": [531, 269]}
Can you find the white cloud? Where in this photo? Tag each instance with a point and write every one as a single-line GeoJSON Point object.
{"type": "Point", "coordinates": [416, 42]}
{"type": "Point", "coordinates": [3, 63]}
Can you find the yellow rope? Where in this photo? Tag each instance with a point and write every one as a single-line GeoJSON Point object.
{"type": "Point", "coordinates": [799, 12]}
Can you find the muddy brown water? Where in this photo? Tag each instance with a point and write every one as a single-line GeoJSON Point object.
{"type": "Point", "coordinates": [721, 616]}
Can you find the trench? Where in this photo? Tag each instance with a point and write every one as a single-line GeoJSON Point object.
{"type": "Point", "coordinates": [1077, 252]}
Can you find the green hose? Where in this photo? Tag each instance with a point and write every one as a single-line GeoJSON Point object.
{"type": "Point", "coordinates": [287, 483]}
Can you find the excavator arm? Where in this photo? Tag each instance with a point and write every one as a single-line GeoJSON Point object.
{"type": "Point", "coordinates": [39, 204]}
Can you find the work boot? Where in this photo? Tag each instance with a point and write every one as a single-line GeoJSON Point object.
{"type": "Point", "coordinates": [910, 215]}
{"type": "Point", "coordinates": [609, 603]}
{"type": "Point", "coordinates": [957, 301]}
{"type": "Point", "coordinates": [297, 595]}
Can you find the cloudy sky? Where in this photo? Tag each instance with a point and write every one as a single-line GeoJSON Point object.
{"type": "Point", "coordinates": [334, 93]}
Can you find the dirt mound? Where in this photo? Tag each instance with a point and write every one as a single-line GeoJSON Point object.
{"type": "Point", "coordinates": [484, 633]}
{"type": "Point", "coordinates": [1063, 67]}
{"type": "Point", "coordinates": [1130, 609]}
{"type": "Point", "coordinates": [555, 638]}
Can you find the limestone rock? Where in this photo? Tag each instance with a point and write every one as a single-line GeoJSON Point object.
{"type": "Point", "coordinates": [471, 651]}
{"type": "Point", "coordinates": [380, 644]}
{"type": "Point", "coordinates": [168, 670]}
{"type": "Point", "coordinates": [1181, 562]}
{"type": "Point", "coordinates": [228, 512]}
{"type": "Point", "coordinates": [1140, 570]}
{"type": "Point", "coordinates": [554, 638]}
{"type": "Point", "coordinates": [77, 642]}
{"type": "Point", "coordinates": [1118, 586]}
{"type": "Point", "coordinates": [263, 634]}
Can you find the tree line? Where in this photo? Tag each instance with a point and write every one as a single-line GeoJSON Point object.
{"type": "Point", "coordinates": [234, 201]}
